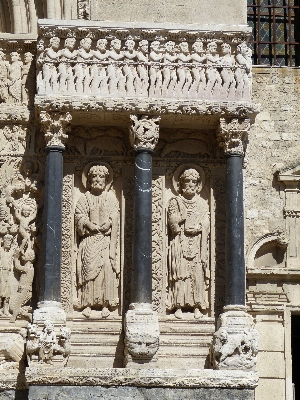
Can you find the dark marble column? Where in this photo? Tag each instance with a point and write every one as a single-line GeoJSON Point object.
{"type": "Point", "coordinates": [232, 137]}
{"type": "Point", "coordinates": [141, 322]}
{"type": "Point", "coordinates": [141, 288]}
{"type": "Point", "coordinates": [55, 127]}
{"type": "Point", "coordinates": [235, 326]}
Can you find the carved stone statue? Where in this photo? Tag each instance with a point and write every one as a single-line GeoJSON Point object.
{"type": "Point", "coordinates": [188, 220]}
{"type": "Point", "coordinates": [97, 222]}
{"type": "Point", "coordinates": [6, 266]}
{"type": "Point", "coordinates": [46, 343]}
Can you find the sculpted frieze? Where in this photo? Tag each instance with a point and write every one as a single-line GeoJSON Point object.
{"type": "Point", "coordinates": [188, 256]}
{"type": "Point", "coordinates": [20, 202]}
{"type": "Point", "coordinates": [13, 139]}
{"type": "Point", "coordinates": [108, 65]}
{"type": "Point", "coordinates": [97, 217]}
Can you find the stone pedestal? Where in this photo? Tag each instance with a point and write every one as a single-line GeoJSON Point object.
{"type": "Point", "coordinates": [235, 343]}
{"type": "Point", "coordinates": [142, 335]}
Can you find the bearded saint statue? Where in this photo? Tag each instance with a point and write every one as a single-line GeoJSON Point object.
{"type": "Point", "coordinates": [97, 221]}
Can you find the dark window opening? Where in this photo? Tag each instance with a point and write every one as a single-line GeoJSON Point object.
{"type": "Point", "coordinates": [275, 37]}
{"type": "Point", "coordinates": [295, 339]}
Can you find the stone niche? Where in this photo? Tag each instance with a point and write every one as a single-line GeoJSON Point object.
{"type": "Point", "coordinates": [96, 318]}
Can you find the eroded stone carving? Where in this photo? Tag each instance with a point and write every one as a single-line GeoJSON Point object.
{"type": "Point", "coordinates": [233, 134]}
{"type": "Point", "coordinates": [19, 204]}
{"type": "Point", "coordinates": [188, 261]}
{"type": "Point", "coordinates": [202, 68]}
{"type": "Point", "coordinates": [17, 77]}
{"type": "Point", "coordinates": [144, 131]}
{"type": "Point", "coordinates": [97, 221]}
{"type": "Point", "coordinates": [141, 334]}
{"type": "Point", "coordinates": [56, 126]}
{"type": "Point", "coordinates": [14, 139]}
{"type": "Point", "coordinates": [46, 345]}
{"type": "Point", "coordinates": [235, 343]}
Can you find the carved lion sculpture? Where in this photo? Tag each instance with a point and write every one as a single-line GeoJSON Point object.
{"type": "Point", "coordinates": [64, 344]}
{"type": "Point", "coordinates": [32, 344]}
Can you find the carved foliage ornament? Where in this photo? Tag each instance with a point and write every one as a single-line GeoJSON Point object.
{"type": "Point", "coordinates": [56, 127]}
{"type": "Point", "coordinates": [233, 135]}
{"type": "Point", "coordinates": [144, 132]}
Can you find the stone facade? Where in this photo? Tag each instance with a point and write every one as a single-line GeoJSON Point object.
{"type": "Point", "coordinates": [95, 98]}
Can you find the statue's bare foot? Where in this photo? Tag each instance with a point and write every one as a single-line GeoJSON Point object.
{"type": "Point", "coordinates": [197, 313]}
{"type": "Point", "coordinates": [87, 312]}
{"type": "Point", "coordinates": [105, 312]}
{"type": "Point", "coordinates": [178, 313]}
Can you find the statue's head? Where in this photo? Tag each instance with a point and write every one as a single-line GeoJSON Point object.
{"type": "Point", "coordinates": [55, 42]}
{"type": "Point", "coordinates": [189, 182]}
{"type": "Point", "coordinates": [212, 47]}
{"type": "Point", "coordinates": [97, 178]}
{"type": "Point", "coordinates": [70, 43]}
{"type": "Point", "coordinates": [86, 43]}
{"type": "Point", "coordinates": [101, 44]}
{"type": "Point", "coordinates": [7, 241]}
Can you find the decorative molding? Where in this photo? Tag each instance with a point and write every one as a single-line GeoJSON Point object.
{"type": "Point", "coordinates": [141, 377]}
{"type": "Point", "coordinates": [56, 126]}
{"type": "Point", "coordinates": [150, 107]}
{"type": "Point", "coordinates": [233, 135]}
{"type": "Point", "coordinates": [144, 132]}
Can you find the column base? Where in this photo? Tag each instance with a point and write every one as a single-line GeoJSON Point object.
{"type": "Point", "coordinates": [49, 311]}
{"type": "Point", "coordinates": [235, 343]}
{"type": "Point", "coordinates": [141, 336]}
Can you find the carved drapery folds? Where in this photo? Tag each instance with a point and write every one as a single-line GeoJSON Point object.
{"type": "Point", "coordinates": [97, 217]}
{"type": "Point", "coordinates": [144, 132]}
{"type": "Point", "coordinates": [188, 221]}
{"type": "Point", "coordinates": [143, 63]}
{"type": "Point", "coordinates": [56, 126]}
{"type": "Point", "coordinates": [17, 72]}
{"type": "Point", "coordinates": [233, 135]}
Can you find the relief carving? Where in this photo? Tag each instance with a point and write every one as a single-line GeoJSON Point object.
{"type": "Point", "coordinates": [144, 132]}
{"type": "Point", "coordinates": [164, 68]}
{"type": "Point", "coordinates": [19, 206]}
{"type": "Point", "coordinates": [17, 78]}
{"type": "Point", "coordinates": [13, 139]}
{"type": "Point", "coordinates": [46, 345]}
{"type": "Point", "coordinates": [56, 126]}
{"type": "Point", "coordinates": [233, 134]}
{"type": "Point", "coordinates": [97, 217]}
{"type": "Point", "coordinates": [188, 261]}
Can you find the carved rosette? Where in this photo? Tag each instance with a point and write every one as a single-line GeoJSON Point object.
{"type": "Point", "coordinates": [233, 135]}
{"type": "Point", "coordinates": [56, 126]}
{"type": "Point", "coordinates": [235, 343]}
{"type": "Point", "coordinates": [144, 132]}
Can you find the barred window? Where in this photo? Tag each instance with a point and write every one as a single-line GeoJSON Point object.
{"type": "Point", "coordinates": [275, 36]}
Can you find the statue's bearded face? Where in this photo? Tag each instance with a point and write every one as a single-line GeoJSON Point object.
{"type": "Point", "coordinates": [98, 181]}
{"type": "Point", "coordinates": [189, 181]}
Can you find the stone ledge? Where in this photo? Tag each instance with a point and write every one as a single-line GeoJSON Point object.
{"type": "Point", "coordinates": [239, 109]}
{"type": "Point", "coordinates": [179, 378]}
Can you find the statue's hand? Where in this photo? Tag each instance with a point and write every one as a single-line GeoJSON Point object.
{"type": "Point", "coordinates": [105, 226]}
{"type": "Point", "coordinates": [93, 227]}
{"type": "Point", "coordinates": [193, 230]}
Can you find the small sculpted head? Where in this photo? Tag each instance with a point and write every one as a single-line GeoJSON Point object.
{"type": "Point", "coordinates": [15, 56]}
{"type": "Point", "coordinates": [198, 46]}
{"type": "Point", "coordinates": [101, 44]}
{"type": "Point", "coordinates": [226, 48]}
{"type": "Point", "coordinates": [189, 182]}
{"type": "Point", "coordinates": [116, 44]}
{"type": "Point", "coordinates": [184, 47]}
{"type": "Point", "coordinates": [70, 43]}
{"type": "Point", "coordinates": [155, 45]}
{"type": "Point", "coordinates": [212, 47]}
{"type": "Point", "coordinates": [7, 241]}
{"type": "Point", "coordinates": [55, 42]}
{"type": "Point", "coordinates": [170, 46]}
{"type": "Point", "coordinates": [129, 44]}
{"type": "Point", "coordinates": [97, 178]}
{"type": "Point", "coordinates": [86, 43]}
{"type": "Point", "coordinates": [143, 46]}
{"type": "Point", "coordinates": [28, 57]}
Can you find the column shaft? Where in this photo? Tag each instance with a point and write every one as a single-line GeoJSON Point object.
{"type": "Point", "coordinates": [142, 245]}
{"type": "Point", "coordinates": [234, 247]}
{"type": "Point", "coordinates": [52, 225]}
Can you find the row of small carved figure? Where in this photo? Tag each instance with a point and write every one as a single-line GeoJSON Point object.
{"type": "Point", "coordinates": [164, 71]}
{"type": "Point", "coordinates": [17, 78]}
{"type": "Point", "coordinates": [47, 344]}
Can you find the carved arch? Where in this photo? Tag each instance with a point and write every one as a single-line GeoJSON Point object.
{"type": "Point", "coordinates": [266, 243]}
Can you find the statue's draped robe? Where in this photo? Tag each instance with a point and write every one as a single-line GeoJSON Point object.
{"type": "Point", "coordinates": [97, 278]}
{"type": "Point", "coordinates": [188, 253]}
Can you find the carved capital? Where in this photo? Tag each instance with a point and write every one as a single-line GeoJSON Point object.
{"type": "Point", "coordinates": [233, 135]}
{"type": "Point", "coordinates": [56, 126]}
{"type": "Point", "coordinates": [144, 131]}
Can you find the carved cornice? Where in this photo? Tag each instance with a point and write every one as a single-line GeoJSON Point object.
{"type": "Point", "coordinates": [233, 135]}
{"type": "Point", "coordinates": [56, 126]}
{"type": "Point", "coordinates": [291, 213]}
{"type": "Point", "coordinates": [217, 109]}
{"type": "Point", "coordinates": [17, 44]}
{"type": "Point", "coordinates": [144, 132]}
